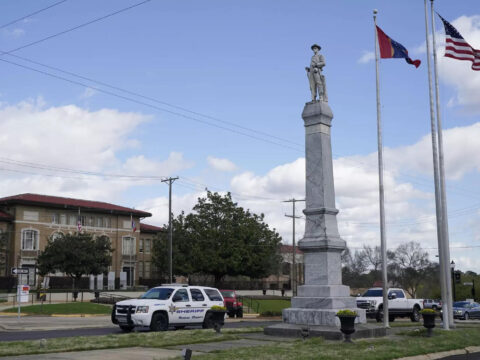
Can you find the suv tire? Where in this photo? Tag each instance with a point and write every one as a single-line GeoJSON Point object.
{"type": "Point", "coordinates": [415, 317]}
{"type": "Point", "coordinates": [159, 322]}
{"type": "Point", "coordinates": [240, 313]}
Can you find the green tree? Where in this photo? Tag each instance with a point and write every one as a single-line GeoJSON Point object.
{"type": "Point", "coordinates": [220, 238]}
{"type": "Point", "coordinates": [76, 255]}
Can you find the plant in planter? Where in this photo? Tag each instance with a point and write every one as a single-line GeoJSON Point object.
{"type": "Point", "coordinates": [215, 318]}
{"type": "Point", "coordinates": [428, 320]}
{"type": "Point", "coordinates": [347, 322]}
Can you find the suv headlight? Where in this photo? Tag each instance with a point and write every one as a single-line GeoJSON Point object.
{"type": "Point", "coordinates": [142, 309]}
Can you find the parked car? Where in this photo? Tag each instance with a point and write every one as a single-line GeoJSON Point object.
{"type": "Point", "coordinates": [166, 306]}
{"type": "Point", "coordinates": [234, 307]}
{"type": "Point", "coordinates": [398, 304]}
{"type": "Point", "coordinates": [432, 304]}
{"type": "Point", "coordinates": [466, 310]}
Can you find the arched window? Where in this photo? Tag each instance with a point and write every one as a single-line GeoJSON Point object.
{"type": "Point", "coordinates": [30, 239]}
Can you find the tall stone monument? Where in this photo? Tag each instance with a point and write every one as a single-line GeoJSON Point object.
{"type": "Point", "coordinates": [323, 293]}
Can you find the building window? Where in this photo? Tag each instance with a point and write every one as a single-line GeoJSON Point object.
{"type": "Point", "coordinates": [30, 215]}
{"type": "Point", "coordinates": [140, 245]}
{"type": "Point", "coordinates": [72, 220]}
{"type": "Point", "coordinates": [55, 219]}
{"type": "Point", "coordinates": [147, 246]}
{"type": "Point", "coordinates": [99, 221]}
{"type": "Point", "coordinates": [63, 219]}
{"type": "Point", "coordinates": [128, 245]}
{"type": "Point", "coordinates": [147, 270]}
{"type": "Point", "coordinates": [91, 221]}
{"type": "Point", "coordinates": [106, 222]}
{"type": "Point", "coordinates": [140, 269]}
{"type": "Point", "coordinates": [29, 239]}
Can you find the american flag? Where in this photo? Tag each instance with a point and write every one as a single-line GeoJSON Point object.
{"type": "Point", "coordinates": [456, 47]}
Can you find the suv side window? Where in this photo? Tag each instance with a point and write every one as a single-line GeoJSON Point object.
{"type": "Point", "coordinates": [197, 295]}
{"type": "Point", "coordinates": [213, 295]}
{"type": "Point", "coordinates": [181, 295]}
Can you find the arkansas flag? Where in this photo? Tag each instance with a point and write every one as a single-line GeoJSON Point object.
{"type": "Point", "coordinates": [134, 228]}
{"type": "Point", "coordinates": [389, 48]}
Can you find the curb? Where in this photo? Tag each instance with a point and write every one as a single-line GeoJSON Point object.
{"type": "Point", "coordinates": [443, 354]}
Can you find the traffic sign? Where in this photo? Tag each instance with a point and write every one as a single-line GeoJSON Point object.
{"type": "Point", "coordinates": [468, 283]}
{"type": "Point", "coordinates": [19, 271]}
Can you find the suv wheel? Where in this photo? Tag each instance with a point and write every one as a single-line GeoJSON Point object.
{"type": "Point", "coordinates": [159, 322]}
{"type": "Point", "coordinates": [415, 317]}
{"type": "Point", "coordinates": [240, 313]}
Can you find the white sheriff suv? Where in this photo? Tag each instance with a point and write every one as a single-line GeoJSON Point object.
{"type": "Point", "coordinates": [173, 305]}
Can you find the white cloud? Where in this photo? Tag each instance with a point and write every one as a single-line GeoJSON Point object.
{"type": "Point", "coordinates": [88, 93]}
{"type": "Point", "coordinates": [221, 164]}
{"type": "Point", "coordinates": [73, 138]}
{"type": "Point", "coordinates": [366, 57]}
{"type": "Point", "coordinates": [459, 73]}
{"type": "Point", "coordinates": [14, 33]}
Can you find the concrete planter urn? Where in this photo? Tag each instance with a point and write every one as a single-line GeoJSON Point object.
{"type": "Point", "coordinates": [347, 323]}
{"type": "Point", "coordinates": [428, 320]}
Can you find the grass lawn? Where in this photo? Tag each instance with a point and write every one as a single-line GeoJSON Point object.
{"type": "Point", "coordinates": [144, 339]}
{"type": "Point", "coordinates": [64, 309]}
{"type": "Point", "coordinates": [415, 343]}
{"type": "Point", "coordinates": [270, 305]}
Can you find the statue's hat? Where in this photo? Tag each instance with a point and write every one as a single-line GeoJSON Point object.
{"type": "Point", "coordinates": [316, 46]}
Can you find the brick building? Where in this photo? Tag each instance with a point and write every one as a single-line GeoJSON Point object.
{"type": "Point", "coordinates": [29, 220]}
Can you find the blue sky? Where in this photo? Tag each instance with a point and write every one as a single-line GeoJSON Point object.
{"type": "Point", "coordinates": [242, 63]}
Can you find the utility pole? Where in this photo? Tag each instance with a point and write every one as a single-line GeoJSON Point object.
{"type": "Point", "coordinates": [294, 250]}
{"type": "Point", "coordinates": [170, 181]}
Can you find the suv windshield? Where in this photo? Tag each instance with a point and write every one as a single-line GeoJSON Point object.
{"type": "Point", "coordinates": [157, 293]}
{"type": "Point", "coordinates": [373, 293]}
{"type": "Point", "coordinates": [228, 294]}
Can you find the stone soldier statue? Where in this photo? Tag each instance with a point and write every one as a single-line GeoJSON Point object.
{"type": "Point", "coordinates": [315, 77]}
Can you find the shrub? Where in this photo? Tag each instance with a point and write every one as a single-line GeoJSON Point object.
{"type": "Point", "coordinates": [218, 308]}
{"type": "Point", "coordinates": [346, 312]}
{"type": "Point", "coordinates": [269, 313]}
{"type": "Point", "coordinates": [427, 311]}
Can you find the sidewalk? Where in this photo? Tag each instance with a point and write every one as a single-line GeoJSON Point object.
{"type": "Point", "coordinates": [39, 323]}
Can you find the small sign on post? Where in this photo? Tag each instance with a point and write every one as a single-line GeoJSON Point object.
{"type": "Point", "coordinates": [19, 271]}
{"type": "Point", "coordinates": [468, 283]}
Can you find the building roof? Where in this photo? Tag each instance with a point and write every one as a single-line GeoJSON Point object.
{"type": "Point", "coordinates": [69, 203]}
{"type": "Point", "coordinates": [288, 249]}
{"type": "Point", "coordinates": [5, 217]}
{"type": "Point", "coordinates": [145, 228]}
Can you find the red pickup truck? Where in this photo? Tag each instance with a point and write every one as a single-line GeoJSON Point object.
{"type": "Point", "coordinates": [230, 300]}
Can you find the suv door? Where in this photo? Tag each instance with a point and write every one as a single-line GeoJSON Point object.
{"type": "Point", "coordinates": [180, 308]}
{"type": "Point", "coordinates": [397, 302]}
{"type": "Point", "coordinates": [200, 304]}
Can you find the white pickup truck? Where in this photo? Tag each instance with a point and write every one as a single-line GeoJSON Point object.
{"type": "Point", "coordinates": [165, 306]}
{"type": "Point", "coordinates": [398, 304]}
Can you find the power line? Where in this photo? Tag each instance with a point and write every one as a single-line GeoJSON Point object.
{"type": "Point", "coordinates": [31, 14]}
{"type": "Point", "coordinates": [79, 26]}
{"type": "Point", "coordinates": [147, 104]}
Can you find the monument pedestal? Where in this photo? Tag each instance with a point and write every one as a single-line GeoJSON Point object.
{"type": "Point", "coordinates": [323, 294]}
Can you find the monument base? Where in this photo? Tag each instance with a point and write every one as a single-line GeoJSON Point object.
{"type": "Point", "coordinates": [319, 317]}
{"type": "Point", "coordinates": [327, 332]}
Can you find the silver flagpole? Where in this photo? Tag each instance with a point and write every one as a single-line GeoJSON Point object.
{"type": "Point", "coordinates": [438, 204]}
{"type": "Point", "coordinates": [380, 181]}
{"type": "Point", "coordinates": [443, 196]}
